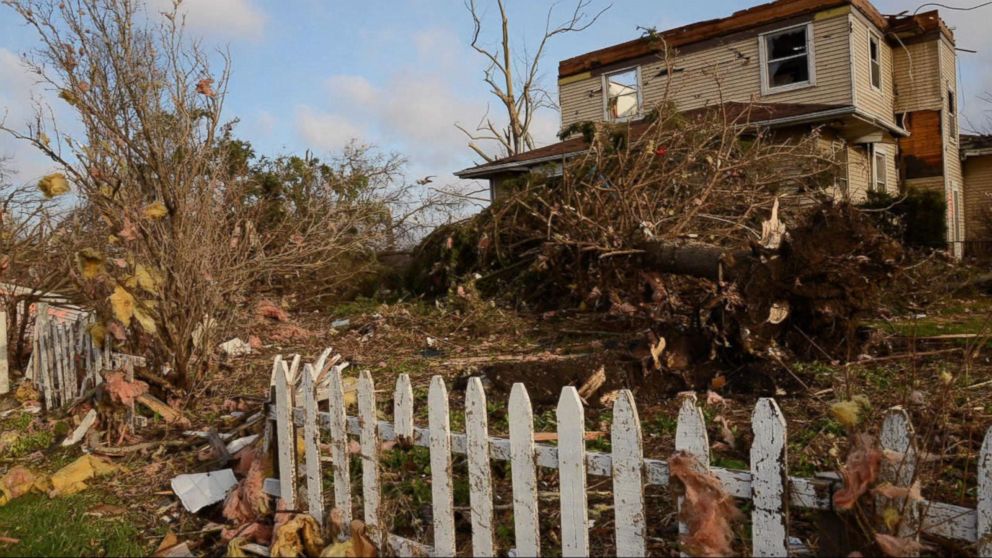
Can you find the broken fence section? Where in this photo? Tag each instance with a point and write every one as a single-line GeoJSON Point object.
{"type": "Point", "coordinates": [66, 360]}
{"type": "Point", "coordinates": [767, 483]}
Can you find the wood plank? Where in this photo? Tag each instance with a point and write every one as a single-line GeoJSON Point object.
{"type": "Point", "coordinates": [627, 467]}
{"type": "Point", "coordinates": [285, 435]}
{"type": "Point", "coordinates": [403, 408]}
{"type": "Point", "coordinates": [311, 445]}
{"type": "Point", "coordinates": [898, 438]}
{"type": "Point", "coordinates": [371, 488]}
{"type": "Point", "coordinates": [480, 482]}
{"type": "Point", "coordinates": [524, 472]}
{"type": "Point", "coordinates": [4, 367]}
{"type": "Point", "coordinates": [984, 519]}
{"type": "Point", "coordinates": [691, 437]}
{"type": "Point", "coordinates": [340, 458]}
{"type": "Point", "coordinates": [45, 376]}
{"type": "Point", "coordinates": [769, 517]}
{"type": "Point", "coordinates": [572, 474]}
{"type": "Point", "coordinates": [442, 489]}
{"type": "Point", "coordinates": [73, 354]}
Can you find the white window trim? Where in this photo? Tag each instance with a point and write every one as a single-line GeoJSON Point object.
{"type": "Point", "coordinates": [810, 60]}
{"type": "Point", "coordinates": [606, 95]}
{"type": "Point", "coordinates": [883, 150]}
{"type": "Point", "coordinates": [872, 36]}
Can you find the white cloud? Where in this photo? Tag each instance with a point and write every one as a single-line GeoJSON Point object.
{"type": "Point", "coordinates": [228, 19]}
{"type": "Point", "coordinates": [325, 131]}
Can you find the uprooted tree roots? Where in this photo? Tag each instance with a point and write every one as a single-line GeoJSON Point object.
{"type": "Point", "coordinates": [661, 224]}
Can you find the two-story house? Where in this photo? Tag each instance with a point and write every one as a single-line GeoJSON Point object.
{"type": "Point", "coordinates": [881, 89]}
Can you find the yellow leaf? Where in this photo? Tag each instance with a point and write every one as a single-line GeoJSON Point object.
{"type": "Point", "coordinates": [148, 279]}
{"type": "Point", "coordinates": [156, 210]}
{"type": "Point", "coordinates": [891, 518]}
{"type": "Point", "coordinates": [98, 332]}
{"type": "Point", "coordinates": [146, 322]}
{"type": "Point", "coordinates": [53, 185]}
{"type": "Point", "coordinates": [123, 305]}
{"type": "Point", "coordinates": [90, 263]}
{"type": "Point", "coordinates": [846, 412]}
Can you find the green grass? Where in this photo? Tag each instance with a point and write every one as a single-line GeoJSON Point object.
{"type": "Point", "coordinates": [58, 527]}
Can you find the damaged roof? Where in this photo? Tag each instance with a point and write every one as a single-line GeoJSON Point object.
{"type": "Point", "coordinates": [901, 26]}
{"type": "Point", "coordinates": [754, 114]}
{"type": "Point", "coordinates": [973, 145]}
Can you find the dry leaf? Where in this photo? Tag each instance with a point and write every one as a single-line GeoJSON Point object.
{"type": "Point", "coordinates": [848, 413]}
{"type": "Point", "coordinates": [155, 210]}
{"type": "Point", "coordinates": [707, 509]}
{"type": "Point", "coordinates": [860, 470]}
{"type": "Point", "coordinates": [53, 185]}
{"type": "Point", "coordinates": [889, 490]}
{"type": "Point", "coordinates": [896, 546]}
{"type": "Point", "coordinates": [90, 263]}
{"type": "Point", "coordinates": [205, 87]}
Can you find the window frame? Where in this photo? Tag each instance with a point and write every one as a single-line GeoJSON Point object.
{"type": "Point", "coordinates": [766, 87]}
{"type": "Point", "coordinates": [879, 150]}
{"type": "Point", "coordinates": [874, 38]}
{"type": "Point", "coordinates": [605, 79]}
{"type": "Point", "coordinates": [951, 106]}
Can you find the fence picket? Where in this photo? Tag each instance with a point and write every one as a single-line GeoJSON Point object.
{"type": "Point", "coordinates": [58, 332]}
{"type": "Point", "coordinates": [285, 434]}
{"type": "Point", "coordinates": [691, 437]}
{"type": "Point", "coordinates": [70, 333]}
{"type": "Point", "coordinates": [480, 483]}
{"type": "Point", "coordinates": [44, 363]}
{"type": "Point", "coordinates": [442, 490]}
{"type": "Point", "coordinates": [985, 496]}
{"type": "Point", "coordinates": [572, 473]}
{"type": "Point", "coordinates": [403, 409]}
{"type": "Point", "coordinates": [311, 444]}
{"type": "Point", "coordinates": [371, 491]}
{"type": "Point", "coordinates": [628, 488]}
{"type": "Point", "coordinates": [898, 439]}
{"type": "Point", "coordinates": [4, 367]}
{"type": "Point", "coordinates": [339, 448]}
{"type": "Point", "coordinates": [524, 473]}
{"type": "Point", "coordinates": [769, 480]}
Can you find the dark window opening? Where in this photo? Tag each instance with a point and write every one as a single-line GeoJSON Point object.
{"type": "Point", "coordinates": [787, 54]}
{"type": "Point", "coordinates": [876, 64]}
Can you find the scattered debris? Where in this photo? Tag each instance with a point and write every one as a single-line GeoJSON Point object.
{"type": "Point", "coordinates": [72, 478]}
{"type": "Point", "coordinates": [269, 310]}
{"type": "Point", "coordinates": [593, 384]}
{"type": "Point", "coordinates": [860, 470]}
{"type": "Point", "coordinates": [235, 348]}
{"type": "Point", "coordinates": [169, 414]}
{"type": "Point", "coordinates": [341, 325]}
{"type": "Point", "coordinates": [199, 490]}
{"type": "Point", "coordinates": [896, 546]}
{"type": "Point", "coordinates": [123, 391]}
{"type": "Point", "coordinates": [82, 429]}
{"type": "Point", "coordinates": [707, 509]}
{"type": "Point", "coordinates": [299, 535]}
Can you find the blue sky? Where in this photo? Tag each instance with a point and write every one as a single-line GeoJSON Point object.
{"type": "Point", "coordinates": [312, 74]}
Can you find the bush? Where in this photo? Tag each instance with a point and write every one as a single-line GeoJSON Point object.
{"type": "Point", "coordinates": [918, 217]}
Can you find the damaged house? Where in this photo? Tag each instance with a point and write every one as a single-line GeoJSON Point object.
{"type": "Point", "coordinates": [880, 89]}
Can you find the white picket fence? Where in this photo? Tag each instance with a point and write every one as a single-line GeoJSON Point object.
{"type": "Point", "coordinates": [767, 483]}
{"type": "Point", "coordinates": [66, 361]}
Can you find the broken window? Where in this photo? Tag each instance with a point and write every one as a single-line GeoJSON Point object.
{"type": "Point", "coordinates": [623, 99]}
{"type": "Point", "coordinates": [952, 115]}
{"type": "Point", "coordinates": [787, 58]}
{"type": "Point", "coordinates": [874, 56]}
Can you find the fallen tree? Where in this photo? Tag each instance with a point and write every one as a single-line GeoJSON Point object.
{"type": "Point", "coordinates": [698, 225]}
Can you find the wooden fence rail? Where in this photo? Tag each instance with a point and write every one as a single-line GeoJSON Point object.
{"type": "Point", "coordinates": [767, 483]}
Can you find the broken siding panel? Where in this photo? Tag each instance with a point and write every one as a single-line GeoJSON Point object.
{"type": "Point", "coordinates": [879, 103]}
{"type": "Point", "coordinates": [977, 197]}
{"type": "Point", "coordinates": [913, 70]}
{"type": "Point", "coordinates": [581, 100]}
{"type": "Point", "coordinates": [729, 71]}
{"type": "Point", "coordinates": [949, 84]}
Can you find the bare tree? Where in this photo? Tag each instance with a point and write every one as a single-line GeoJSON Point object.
{"type": "Point", "coordinates": [515, 79]}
